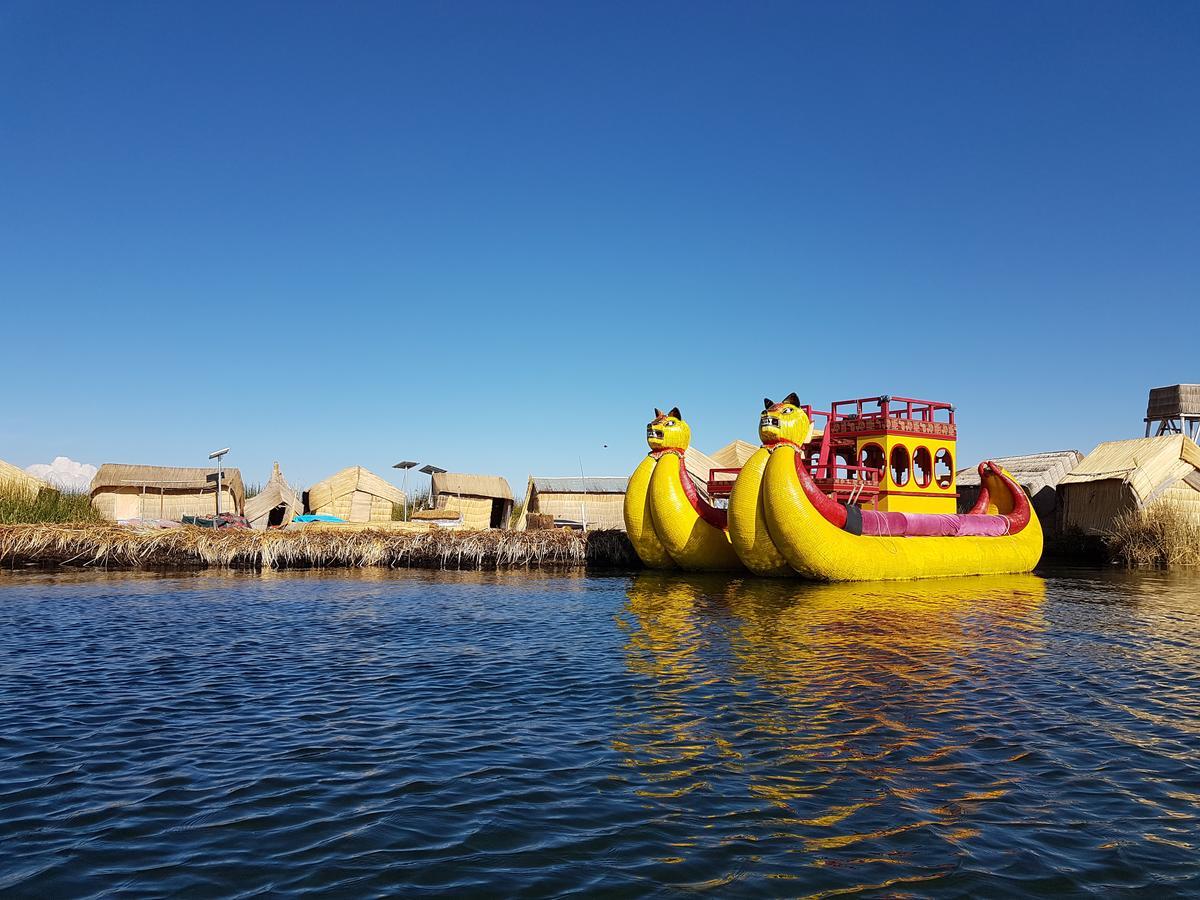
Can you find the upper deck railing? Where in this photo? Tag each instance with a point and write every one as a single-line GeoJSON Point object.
{"type": "Point", "coordinates": [888, 407]}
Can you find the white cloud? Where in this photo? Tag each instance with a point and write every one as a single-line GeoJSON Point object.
{"type": "Point", "coordinates": [64, 473]}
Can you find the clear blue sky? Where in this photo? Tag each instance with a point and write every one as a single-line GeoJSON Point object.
{"type": "Point", "coordinates": [493, 236]}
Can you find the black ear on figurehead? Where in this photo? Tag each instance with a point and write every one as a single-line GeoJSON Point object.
{"type": "Point", "coordinates": [768, 403]}
{"type": "Point", "coordinates": [658, 413]}
{"type": "Point", "coordinates": [675, 412]}
{"type": "Point", "coordinates": [792, 399]}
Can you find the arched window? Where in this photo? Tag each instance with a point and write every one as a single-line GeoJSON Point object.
{"type": "Point", "coordinates": [943, 468]}
{"type": "Point", "coordinates": [872, 458]}
{"type": "Point", "coordinates": [843, 462]}
{"type": "Point", "coordinates": [922, 467]}
{"type": "Point", "coordinates": [900, 467]}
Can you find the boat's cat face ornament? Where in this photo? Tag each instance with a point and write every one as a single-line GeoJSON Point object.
{"type": "Point", "coordinates": [668, 431]}
{"type": "Point", "coordinates": [784, 421]}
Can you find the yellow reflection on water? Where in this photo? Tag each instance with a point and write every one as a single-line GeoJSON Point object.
{"type": "Point", "coordinates": [770, 693]}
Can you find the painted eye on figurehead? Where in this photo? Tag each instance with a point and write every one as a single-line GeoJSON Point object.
{"type": "Point", "coordinates": [670, 421]}
{"type": "Point", "coordinates": [787, 410]}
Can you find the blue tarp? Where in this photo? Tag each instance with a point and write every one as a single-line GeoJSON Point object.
{"type": "Point", "coordinates": [317, 519]}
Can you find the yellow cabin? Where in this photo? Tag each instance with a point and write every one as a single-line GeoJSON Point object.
{"type": "Point", "coordinates": [893, 454]}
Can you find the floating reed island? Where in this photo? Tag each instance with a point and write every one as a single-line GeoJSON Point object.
{"type": "Point", "coordinates": [114, 546]}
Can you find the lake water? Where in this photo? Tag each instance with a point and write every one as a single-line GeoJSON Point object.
{"type": "Point", "coordinates": [421, 733]}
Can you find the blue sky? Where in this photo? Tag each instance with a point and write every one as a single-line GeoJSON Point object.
{"type": "Point", "coordinates": [494, 236]}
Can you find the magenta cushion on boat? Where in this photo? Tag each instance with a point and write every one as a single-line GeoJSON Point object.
{"type": "Point", "coordinates": [897, 524]}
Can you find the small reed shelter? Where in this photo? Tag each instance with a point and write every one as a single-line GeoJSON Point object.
{"type": "Point", "coordinates": [1122, 476]}
{"type": "Point", "coordinates": [1038, 473]}
{"type": "Point", "coordinates": [484, 501]}
{"type": "Point", "coordinates": [14, 479]}
{"type": "Point", "coordinates": [1174, 409]}
{"type": "Point", "coordinates": [121, 491]}
{"type": "Point", "coordinates": [354, 494]}
{"type": "Point", "coordinates": [275, 505]}
{"type": "Point", "coordinates": [587, 503]}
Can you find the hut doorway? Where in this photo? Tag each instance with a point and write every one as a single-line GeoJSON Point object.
{"type": "Point", "coordinates": [497, 520]}
{"type": "Point", "coordinates": [128, 506]}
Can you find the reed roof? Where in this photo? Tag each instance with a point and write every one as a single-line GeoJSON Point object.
{"type": "Point", "coordinates": [734, 454]}
{"type": "Point", "coordinates": [10, 474]}
{"type": "Point", "coordinates": [171, 478]}
{"type": "Point", "coordinates": [351, 479]}
{"type": "Point", "coordinates": [699, 465]}
{"type": "Point", "coordinates": [1147, 465]}
{"type": "Point", "coordinates": [276, 492]}
{"type": "Point", "coordinates": [594, 485]}
{"type": "Point", "coordinates": [1031, 468]}
{"type": "Point", "coordinates": [471, 485]}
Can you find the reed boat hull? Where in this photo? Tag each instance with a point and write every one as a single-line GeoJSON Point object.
{"type": "Point", "coordinates": [639, 521]}
{"type": "Point", "coordinates": [691, 541]}
{"type": "Point", "coordinates": [816, 548]}
{"type": "Point", "coordinates": [748, 532]}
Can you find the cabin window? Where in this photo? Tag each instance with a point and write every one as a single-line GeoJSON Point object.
{"type": "Point", "coordinates": [872, 457]}
{"type": "Point", "coordinates": [900, 465]}
{"type": "Point", "coordinates": [922, 467]}
{"type": "Point", "coordinates": [843, 462]}
{"type": "Point", "coordinates": [943, 468]}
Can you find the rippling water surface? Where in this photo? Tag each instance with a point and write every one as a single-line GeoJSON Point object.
{"type": "Point", "coordinates": [398, 732]}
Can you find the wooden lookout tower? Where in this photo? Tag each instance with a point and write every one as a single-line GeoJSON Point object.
{"type": "Point", "coordinates": [1174, 410]}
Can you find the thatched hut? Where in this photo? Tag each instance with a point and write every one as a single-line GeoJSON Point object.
{"type": "Point", "coordinates": [1038, 473]}
{"type": "Point", "coordinates": [589, 503]}
{"type": "Point", "coordinates": [275, 505]}
{"type": "Point", "coordinates": [1120, 476]}
{"type": "Point", "coordinates": [354, 494]}
{"type": "Point", "coordinates": [485, 501]}
{"type": "Point", "coordinates": [122, 491]}
{"type": "Point", "coordinates": [14, 479]}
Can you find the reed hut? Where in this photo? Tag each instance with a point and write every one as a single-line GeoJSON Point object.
{"type": "Point", "coordinates": [354, 494]}
{"type": "Point", "coordinates": [588, 503]}
{"type": "Point", "coordinates": [121, 491]}
{"type": "Point", "coordinates": [1121, 476]}
{"type": "Point", "coordinates": [1038, 473]}
{"type": "Point", "coordinates": [275, 505]}
{"type": "Point", "coordinates": [485, 501]}
{"type": "Point", "coordinates": [14, 479]}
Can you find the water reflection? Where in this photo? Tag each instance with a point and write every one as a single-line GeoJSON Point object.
{"type": "Point", "coordinates": [837, 717]}
{"type": "Point", "coordinates": [392, 732]}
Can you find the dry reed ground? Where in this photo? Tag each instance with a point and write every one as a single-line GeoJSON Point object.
{"type": "Point", "coordinates": [113, 546]}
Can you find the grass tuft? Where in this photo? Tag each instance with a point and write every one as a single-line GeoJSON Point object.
{"type": "Point", "coordinates": [1159, 536]}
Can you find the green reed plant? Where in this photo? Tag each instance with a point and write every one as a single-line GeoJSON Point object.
{"type": "Point", "coordinates": [22, 505]}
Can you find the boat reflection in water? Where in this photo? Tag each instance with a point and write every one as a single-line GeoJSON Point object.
{"type": "Point", "coordinates": [826, 719]}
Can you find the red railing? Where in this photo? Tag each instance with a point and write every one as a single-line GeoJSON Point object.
{"type": "Point", "coordinates": [869, 475]}
{"type": "Point", "coordinates": [892, 407]}
{"type": "Point", "coordinates": [721, 487]}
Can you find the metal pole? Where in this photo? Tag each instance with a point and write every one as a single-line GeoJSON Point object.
{"type": "Point", "coordinates": [583, 495]}
{"type": "Point", "coordinates": [218, 489]}
{"type": "Point", "coordinates": [406, 495]}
